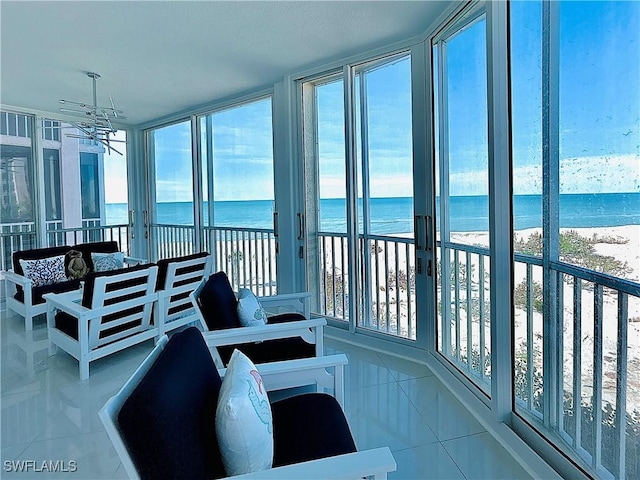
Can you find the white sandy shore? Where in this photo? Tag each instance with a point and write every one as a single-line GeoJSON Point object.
{"type": "Point", "coordinates": [625, 248]}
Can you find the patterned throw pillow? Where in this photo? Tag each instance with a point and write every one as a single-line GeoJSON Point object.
{"type": "Point", "coordinates": [250, 312]}
{"type": "Point", "coordinates": [104, 262]}
{"type": "Point", "coordinates": [44, 271]}
{"type": "Point", "coordinates": [244, 425]}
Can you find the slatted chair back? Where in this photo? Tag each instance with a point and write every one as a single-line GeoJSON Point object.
{"type": "Point", "coordinates": [177, 278]}
{"type": "Point", "coordinates": [126, 301]}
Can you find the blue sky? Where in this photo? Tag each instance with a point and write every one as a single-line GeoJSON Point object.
{"type": "Point", "coordinates": [599, 117]}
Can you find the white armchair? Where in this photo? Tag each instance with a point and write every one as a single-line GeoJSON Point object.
{"type": "Point", "coordinates": [288, 334]}
{"type": "Point", "coordinates": [162, 421]}
{"type": "Point", "coordinates": [112, 313]}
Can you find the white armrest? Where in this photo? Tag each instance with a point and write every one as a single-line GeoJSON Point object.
{"type": "Point", "coordinates": [67, 302]}
{"type": "Point", "coordinates": [233, 336]}
{"type": "Point", "coordinates": [302, 372]}
{"type": "Point", "coordinates": [13, 277]}
{"type": "Point", "coordinates": [374, 463]}
{"type": "Point", "coordinates": [299, 302]}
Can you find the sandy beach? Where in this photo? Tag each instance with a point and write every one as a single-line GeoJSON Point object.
{"type": "Point", "coordinates": [393, 305]}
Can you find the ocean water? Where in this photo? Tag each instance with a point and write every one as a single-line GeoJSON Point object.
{"type": "Point", "coordinates": [395, 215]}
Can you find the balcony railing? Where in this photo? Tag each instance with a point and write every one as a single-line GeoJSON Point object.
{"type": "Point", "coordinates": [588, 396]}
{"type": "Point", "coordinates": [15, 237]}
{"type": "Point", "coordinates": [246, 254]}
{"type": "Point", "coordinates": [22, 236]}
{"type": "Point", "coordinates": [172, 240]}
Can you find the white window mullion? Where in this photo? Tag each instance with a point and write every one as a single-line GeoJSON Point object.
{"type": "Point", "coordinates": [352, 194]}
{"type": "Point", "coordinates": [500, 231]}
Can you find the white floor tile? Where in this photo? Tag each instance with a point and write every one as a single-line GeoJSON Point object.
{"type": "Point", "coordinates": [402, 369]}
{"type": "Point", "coordinates": [480, 457]}
{"type": "Point", "coordinates": [446, 416]}
{"type": "Point", "coordinates": [425, 462]}
{"type": "Point", "coordinates": [382, 415]}
{"type": "Point", "coordinates": [48, 414]}
{"type": "Point", "coordinates": [93, 455]}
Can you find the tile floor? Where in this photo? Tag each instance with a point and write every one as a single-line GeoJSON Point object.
{"type": "Point", "coordinates": [48, 414]}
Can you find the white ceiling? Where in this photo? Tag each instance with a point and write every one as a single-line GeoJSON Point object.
{"type": "Point", "coordinates": [160, 57]}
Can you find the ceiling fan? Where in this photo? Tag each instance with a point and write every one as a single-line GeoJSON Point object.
{"type": "Point", "coordinates": [97, 124]}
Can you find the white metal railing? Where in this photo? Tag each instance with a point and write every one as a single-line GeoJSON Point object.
{"type": "Point", "coordinates": [22, 236]}
{"type": "Point", "coordinates": [386, 272]}
{"type": "Point", "coordinates": [590, 407]}
{"type": "Point", "coordinates": [247, 255]}
{"type": "Point", "coordinates": [170, 241]}
{"type": "Point", "coordinates": [15, 237]}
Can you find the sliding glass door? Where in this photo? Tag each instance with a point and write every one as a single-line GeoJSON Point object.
{"type": "Point", "coordinates": [462, 197]}
{"type": "Point", "coordinates": [236, 148]}
{"type": "Point", "coordinates": [170, 219]}
{"type": "Point", "coordinates": [359, 195]}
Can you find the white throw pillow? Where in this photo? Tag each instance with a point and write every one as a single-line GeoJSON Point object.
{"type": "Point", "coordinates": [244, 425]}
{"type": "Point", "coordinates": [44, 271]}
{"type": "Point", "coordinates": [250, 312]}
{"type": "Point", "coordinates": [104, 262]}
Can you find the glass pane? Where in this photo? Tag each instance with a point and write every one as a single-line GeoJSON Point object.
{"type": "Point", "coordinates": [326, 180]}
{"type": "Point", "coordinates": [463, 222]}
{"type": "Point", "coordinates": [53, 201]}
{"type": "Point", "coordinates": [17, 184]}
{"type": "Point", "coordinates": [237, 147]}
{"type": "Point", "coordinates": [173, 174]}
{"type": "Point", "coordinates": [90, 185]}
{"type": "Point", "coordinates": [17, 202]}
{"type": "Point", "coordinates": [577, 204]}
{"type": "Point", "coordinates": [385, 200]}
{"type": "Point", "coordinates": [243, 166]}
{"type": "Point", "coordinates": [115, 183]}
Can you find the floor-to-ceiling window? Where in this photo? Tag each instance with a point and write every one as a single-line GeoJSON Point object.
{"type": "Point", "coordinates": [384, 159]}
{"type": "Point", "coordinates": [462, 196]}
{"type": "Point", "coordinates": [17, 195]}
{"type": "Point", "coordinates": [236, 146]}
{"type": "Point", "coordinates": [326, 195]}
{"type": "Point", "coordinates": [170, 219]}
{"type": "Point", "coordinates": [576, 218]}
{"type": "Point", "coordinates": [359, 195]}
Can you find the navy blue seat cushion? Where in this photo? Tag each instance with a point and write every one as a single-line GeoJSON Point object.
{"type": "Point", "coordinates": [37, 292]}
{"type": "Point", "coordinates": [270, 350]}
{"type": "Point", "coordinates": [69, 324]}
{"type": "Point", "coordinates": [285, 317]}
{"type": "Point", "coordinates": [218, 303]}
{"type": "Point", "coordinates": [308, 427]}
{"type": "Point", "coordinates": [168, 421]}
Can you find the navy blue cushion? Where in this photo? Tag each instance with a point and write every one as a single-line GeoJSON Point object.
{"type": "Point", "coordinates": [308, 427]}
{"type": "Point", "coordinates": [285, 317]}
{"type": "Point", "coordinates": [37, 292]}
{"type": "Point", "coordinates": [168, 421]}
{"type": "Point", "coordinates": [270, 350]}
{"type": "Point", "coordinates": [218, 303]}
